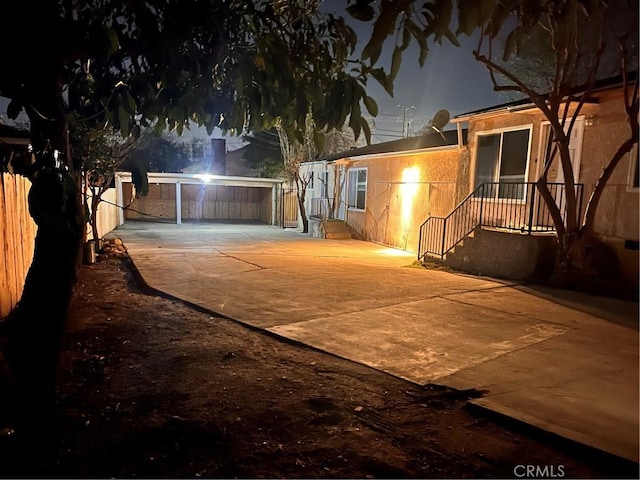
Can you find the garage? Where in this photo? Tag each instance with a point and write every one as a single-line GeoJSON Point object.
{"type": "Point", "coordinates": [179, 197]}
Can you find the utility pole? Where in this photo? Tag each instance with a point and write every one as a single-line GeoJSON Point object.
{"type": "Point", "coordinates": [405, 124]}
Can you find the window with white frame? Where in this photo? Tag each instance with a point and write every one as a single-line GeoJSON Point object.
{"type": "Point", "coordinates": [357, 188]}
{"type": "Point", "coordinates": [310, 177]}
{"type": "Point", "coordinates": [503, 157]}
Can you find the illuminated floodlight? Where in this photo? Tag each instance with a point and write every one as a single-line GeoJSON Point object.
{"type": "Point", "coordinates": [204, 177]}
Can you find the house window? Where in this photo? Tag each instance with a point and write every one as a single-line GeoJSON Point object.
{"type": "Point", "coordinates": [502, 158]}
{"type": "Point", "coordinates": [310, 184]}
{"type": "Point", "coordinates": [357, 188]}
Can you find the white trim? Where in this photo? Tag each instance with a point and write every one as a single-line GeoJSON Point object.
{"type": "Point", "coordinates": [500, 131]}
{"type": "Point", "coordinates": [366, 186]}
{"type": "Point", "coordinates": [575, 162]}
{"type": "Point", "coordinates": [178, 203]}
{"type": "Point", "coordinates": [205, 179]}
{"type": "Point", "coordinates": [401, 153]}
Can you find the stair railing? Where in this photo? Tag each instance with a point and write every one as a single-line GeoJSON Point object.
{"type": "Point", "coordinates": [514, 206]}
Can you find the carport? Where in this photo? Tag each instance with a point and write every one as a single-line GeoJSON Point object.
{"type": "Point", "coordinates": [184, 196]}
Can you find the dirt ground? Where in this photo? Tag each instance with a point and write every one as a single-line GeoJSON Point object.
{"type": "Point", "coordinates": [151, 387]}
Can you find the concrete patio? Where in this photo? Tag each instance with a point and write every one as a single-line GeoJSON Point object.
{"type": "Point", "coordinates": [561, 361]}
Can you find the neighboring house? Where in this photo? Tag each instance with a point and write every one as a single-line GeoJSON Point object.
{"type": "Point", "coordinates": [491, 220]}
{"type": "Point", "coordinates": [385, 191]}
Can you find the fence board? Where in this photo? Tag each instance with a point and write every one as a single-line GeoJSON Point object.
{"type": "Point", "coordinates": [5, 300]}
{"type": "Point", "coordinates": [17, 238]}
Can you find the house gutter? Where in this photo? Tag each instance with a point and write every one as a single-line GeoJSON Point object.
{"type": "Point", "coordinates": [404, 153]}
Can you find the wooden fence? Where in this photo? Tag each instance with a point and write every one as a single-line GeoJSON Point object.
{"type": "Point", "coordinates": [17, 238]}
{"type": "Point", "coordinates": [107, 214]}
{"type": "Point", "coordinates": [18, 233]}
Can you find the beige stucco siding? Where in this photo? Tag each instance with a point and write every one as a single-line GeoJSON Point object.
{"type": "Point", "coordinates": [618, 209]}
{"type": "Point", "coordinates": [402, 191]}
{"type": "Point", "coordinates": [605, 129]}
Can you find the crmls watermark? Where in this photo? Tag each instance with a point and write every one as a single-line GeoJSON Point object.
{"type": "Point", "coordinates": [539, 471]}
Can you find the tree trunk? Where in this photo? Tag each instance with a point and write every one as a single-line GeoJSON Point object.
{"type": "Point", "coordinates": [95, 202]}
{"type": "Point", "coordinates": [589, 265]}
{"type": "Point", "coordinates": [33, 330]}
{"type": "Point", "coordinates": [303, 215]}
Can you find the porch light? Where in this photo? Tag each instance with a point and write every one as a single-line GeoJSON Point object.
{"type": "Point", "coordinates": [408, 190]}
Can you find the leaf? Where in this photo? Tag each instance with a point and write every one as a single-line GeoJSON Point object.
{"type": "Point", "coordinates": [396, 59]}
{"type": "Point", "coordinates": [420, 37]}
{"type": "Point", "coordinates": [486, 10]}
{"type": "Point", "coordinates": [123, 118]}
{"type": "Point", "coordinates": [468, 16]}
{"type": "Point", "coordinates": [371, 105]}
{"type": "Point", "coordinates": [381, 77]}
{"type": "Point", "coordinates": [511, 45]}
{"type": "Point", "coordinates": [114, 42]}
{"type": "Point", "coordinates": [13, 109]}
{"type": "Point", "coordinates": [259, 62]}
{"type": "Point", "coordinates": [128, 102]}
{"type": "Point", "coordinates": [361, 11]}
{"type": "Point", "coordinates": [140, 179]}
{"type": "Point", "coordinates": [366, 129]}
{"type": "Point", "coordinates": [406, 38]}
{"type": "Point", "coordinates": [382, 28]}
{"type": "Point", "coordinates": [355, 120]}
{"type": "Point", "coordinates": [452, 38]}
{"type": "Point", "coordinates": [318, 140]}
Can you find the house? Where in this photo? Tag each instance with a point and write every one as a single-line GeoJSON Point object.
{"type": "Point", "coordinates": [472, 203]}
{"type": "Point", "coordinates": [385, 191]}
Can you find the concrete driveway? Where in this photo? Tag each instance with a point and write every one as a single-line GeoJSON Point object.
{"type": "Point", "coordinates": [561, 361]}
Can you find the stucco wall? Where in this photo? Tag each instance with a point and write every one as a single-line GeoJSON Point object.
{"type": "Point", "coordinates": [617, 218]}
{"type": "Point", "coordinates": [505, 255]}
{"type": "Point", "coordinates": [402, 191]}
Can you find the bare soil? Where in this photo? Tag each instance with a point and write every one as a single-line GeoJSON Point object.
{"type": "Point", "coordinates": [152, 387]}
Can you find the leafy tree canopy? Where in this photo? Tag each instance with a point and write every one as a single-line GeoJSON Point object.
{"type": "Point", "coordinates": [579, 36]}
{"type": "Point", "coordinates": [238, 65]}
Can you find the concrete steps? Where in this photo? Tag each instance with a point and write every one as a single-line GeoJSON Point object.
{"type": "Point", "coordinates": [336, 230]}
{"type": "Point", "coordinates": [502, 254]}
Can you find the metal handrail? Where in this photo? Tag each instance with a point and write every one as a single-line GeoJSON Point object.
{"type": "Point", "coordinates": [515, 206]}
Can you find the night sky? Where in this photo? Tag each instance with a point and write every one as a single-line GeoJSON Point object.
{"type": "Point", "coordinates": [450, 79]}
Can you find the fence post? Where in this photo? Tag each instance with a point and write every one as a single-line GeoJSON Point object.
{"type": "Point", "coordinates": [533, 187]}
{"type": "Point", "coordinates": [444, 231]}
{"type": "Point", "coordinates": [481, 204]}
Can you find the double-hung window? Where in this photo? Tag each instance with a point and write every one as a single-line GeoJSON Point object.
{"type": "Point", "coordinates": [357, 188]}
{"type": "Point", "coordinates": [503, 157]}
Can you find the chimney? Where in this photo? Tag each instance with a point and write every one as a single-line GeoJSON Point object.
{"type": "Point", "coordinates": [219, 156]}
